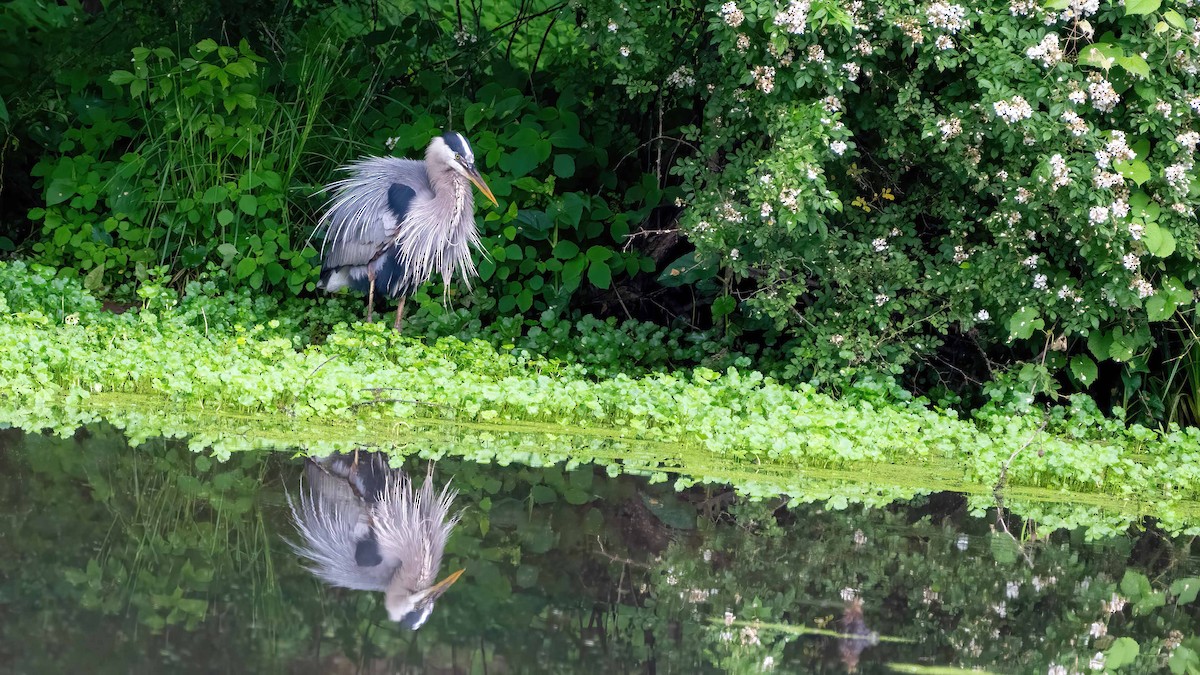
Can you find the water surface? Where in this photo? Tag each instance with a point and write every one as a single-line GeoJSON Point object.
{"type": "Point", "coordinates": [159, 559]}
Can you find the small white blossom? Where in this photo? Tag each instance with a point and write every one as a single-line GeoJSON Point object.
{"type": "Point", "coordinates": [961, 542]}
{"type": "Point", "coordinates": [950, 127]}
{"type": "Point", "coordinates": [1001, 609]}
{"type": "Point", "coordinates": [879, 244]}
{"type": "Point", "coordinates": [1188, 140]}
{"type": "Point", "coordinates": [794, 19]}
{"type": "Point", "coordinates": [1056, 669]}
{"type": "Point", "coordinates": [1104, 97]}
{"type": "Point", "coordinates": [1047, 51]}
{"type": "Point", "coordinates": [734, 254]}
{"type": "Point", "coordinates": [625, 51]}
{"type": "Point", "coordinates": [728, 619]}
{"type": "Point", "coordinates": [732, 15]}
{"type": "Point", "coordinates": [960, 254]}
{"type": "Point", "coordinates": [1097, 662]}
{"type": "Point", "coordinates": [881, 299]}
{"type": "Point", "coordinates": [946, 16]}
{"type": "Point", "coordinates": [1098, 629]}
{"type": "Point", "coordinates": [1163, 108]}
{"type": "Point", "coordinates": [1011, 590]}
{"type": "Point", "coordinates": [1098, 215]}
{"type": "Point", "coordinates": [681, 77]}
{"type": "Point", "coordinates": [1059, 173]}
{"type": "Point", "coordinates": [1136, 230]}
{"type": "Point", "coordinates": [852, 70]}
{"type": "Point", "coordinates": [1177, 175]}
{"type": "Point", "coordinates": [1120, 209]}
{"type": "Point", "coordinates": [1013, 110]}
{"type": "Point", "coordinates": [943, 42]}
{"type": "Point", "coordinates": [849, 594]}
{"type": "Point", "coordinates": [1075, 123]}
{"type": "Point", "coordinates": [750, 636]}
{"type": "Point", "coordinates": [768, 663]}
{"type": "Point", "coordinates": [764, 211]}
{"type": "Point", "coordinates": [1039, 282]}
{"type": "Point", "coordinates": [982, 315]}
{"type": "Point", "coordinates": [1030, 262]}
{"type": "Point", "coordinates": [1130, 262]}
{"type": "Point", "coordinates": [764, 77]}
{"type": "Point", "coordinates": [743, 42]}
{"type": "Point", "coordinates": [837, 339]}
{"type": "Point", "coordinates": [1144, 290]}
{"type": "Point", "coordinates": [838, 147]}
{"type": "Point", "coordinates": [1078, 97]}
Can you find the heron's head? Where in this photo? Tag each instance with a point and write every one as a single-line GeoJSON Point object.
{"type": "Point", "coordinates": [451, 152]}
{"type": "Point", "coordinates": [412, 609]}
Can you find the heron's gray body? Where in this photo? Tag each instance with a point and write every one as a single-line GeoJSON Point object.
{"type": "Point", "coordinates": [401, 220]}
{"type": "Point", "coordinates": [367, 528]}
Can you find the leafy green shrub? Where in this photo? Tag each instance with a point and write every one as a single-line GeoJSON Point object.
{"type": "Point", "coordinates": [870, 178]}
{"type": "Point", "coordinates": [188, 160]}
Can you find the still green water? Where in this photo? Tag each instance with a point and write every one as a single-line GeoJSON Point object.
{"type": "Point", "coordinates": [147, 559]}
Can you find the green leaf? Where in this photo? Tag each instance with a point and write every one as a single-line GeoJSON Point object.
{"type": "Point", "coordinates": [1160, 307]}
{"type": "Point", "coordinates": [1136, 171]}
{"type": "Point", "coordinates": [543, 494]}
{"type": "Point", "coordinates": [59, 190]}
{"type": "Point", "coordinates": [722, 306]}
{"type": "Point", "coordinates": [686, 270]}
{"type": "Point", "coordinates": [599, 274]}
{"type": "Point", "coordinates": [473, 115]}
{"type": "Point", "coordinates": [248, 204]}
{"type": "Point", "coordinates": [206, 45]}
{"type": "Point", "coordinates": [519, 162]}
{"type": "Point", "coordinates": [214, 195]}
{"type": "Point", "coordinates": [224, 217]}
{"type": "Point", "coordinates": [246, 267]}
{"type": "Point", "coordinates": [3, 111]}
{"type": "Point", "coordinates": [565, 250]}
{"type": "Point", "coordinates": [1022, 324]}
{"type": "Point", "coordinates": [1185, 590]}
{"type": "Point", "coordinates": [1175, 19]}
{"type": "Point", "coordinates": [1123, 652]}
{"type": "Point", "coordinates": [1133, 7]}
{"type": "Point", "coordinates": [1134, 584]}
{"type": "Point", "coordinates": [238, 69]}
{"type": "Point", "coordinates": [1158, 240]}
{"type": "Point", "coordinates": [1084, 369]}
{"type": "Point", "coordinates": [599, 253]}
{"type": "Point", "coordinates": [525, 300]}
{"type": "Point", "coordinates": [227, 251]}
{"type": "Point", "coordinates": [121, 77]}
{"type": "Point", "coordinates": [564, 166]}
{"type": "Point", "coordinates": [275, 272]}
{"type": "Point", "coordinates": [1136, 65]}
{"type": "Point", "coordinates": [1184, 661]}
{"type": "Point", "coordinates": [94, 279]}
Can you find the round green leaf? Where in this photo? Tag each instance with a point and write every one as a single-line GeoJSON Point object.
{"type": "Point", "coordinates": [564, 166]}
{"type": "Point", "coordinates": [1084, 369]}
{"type": "Point", "coordinates": [246, 267]}
{"type": "Point", "coordinates": [599, 274]}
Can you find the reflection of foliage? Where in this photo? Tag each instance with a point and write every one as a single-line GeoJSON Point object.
{"type": "Point", "coordinates": [165, 558]}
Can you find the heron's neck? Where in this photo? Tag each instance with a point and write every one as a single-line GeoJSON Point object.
{"type": "Point", "coordinates": [453, 194]}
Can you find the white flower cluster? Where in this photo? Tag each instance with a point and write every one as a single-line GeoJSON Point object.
{"type": "Point", "coordinates": [865, 48]}
{"type": "Point", "coordinates": [1023, 195]}
{"type": "Point", "coordinates": [794, 19]}
{"type": "Point", "coordinates": [1047, 51]}
{"type": "Point", "coordinates": [682, 77]}
{"type": "Point", "coordinates": [1030, 262]}
{"type": "Point", "coordinates": [1075, 123]}
{"type": "Point", "coordinates": [1013, 110]}
{"type": "Point", "coordinates": [881, 299]}
{"type": "Point", "coordinates": [1130, 261]}
{"type": "Point", "coordinates": [960, 254]}
{"type": "Point", "coordinates": [852, 70]}
{"type": "Point", "coordinates": [625, 51]}
{"type": "Point", "coordinates": [612, 26]}
{"type": "Point", "coordinates": [1039, 282]}
{"type": "Point", "coordinates": [816, 54]}
{"type": "Point", "coordinates": [880, 244]}
{"type": "Point", "coordinates": [1120, 209]}
{"type": "Point", "coordinates": [1059, 173]}
{"type": "Point", "coordinates": [789, 198]}
{"type": "Point", "coordinates": [1144, 290]}
{"type": "Point", "coordinates": [838, 147]}
{"type": "Point", "coordinates": [982, 315]}
{"type": "Point", "coordinates": [1097, 662]}
{"type": "Point", "coordinates": [732, 15]}
{"type": "Point", "coordinates": [1177, 175]}
{"type": "Point", "coordinates": [743, 42]}
{"type": "Point", "coordinates": [764, 78]}
{"type": "Point", "coordinates": [951, 127]}
{"type": "Point", "coordinates": [1098, 215]}
{"type": "Point", "coordinates": [1188, 140]}
{"type": "Point", "coordinates": [1106, 180]}
{"type": "Point", "coordinates": [1116, 149]}
{"type": "Point", "coordinates": [1079, 9]}
{"type": "Point", "coordinates": [1023, 7]}
{"type": "Point", "coordinates": [764, 211]}
{"type": "Point", "coordinates": [1012, 589]}
{"type": "Point", "coordinates": [848, 594]}
{"type": "Point", "coordinates": [943, 42]}
{"type": "Point", "coordinates": [1163, 108]}
{"type": "Point", "coordinates": [463, 37]}
{"type": "Point", "coordinates": [1056, 669]}
{"type": "Point", "coordinates": [729, 213]}
{"type": "Point", "coordinates": [1136, 230]}
{"type": "Point", "coordinates": [1104, 97]}
{"type": "Point", "coordinates": [1194, 104]}
{"type": "Point", "coordinates": [948, 17]}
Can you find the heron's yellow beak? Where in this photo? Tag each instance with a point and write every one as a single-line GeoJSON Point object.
{"type": "Point", "coordinates": [473, 175]}
{"type": "Point", "coordinates": [441, 586]}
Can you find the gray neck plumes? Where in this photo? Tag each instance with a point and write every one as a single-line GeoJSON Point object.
{"type": "Point", "coordinates": [441, 233]}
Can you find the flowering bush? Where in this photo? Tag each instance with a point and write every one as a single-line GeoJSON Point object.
{"type": "Point", "coordinates": [872, 178]}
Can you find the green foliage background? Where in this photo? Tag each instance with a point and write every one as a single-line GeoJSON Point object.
{"type": "Point", "coordinates": [985, 200]}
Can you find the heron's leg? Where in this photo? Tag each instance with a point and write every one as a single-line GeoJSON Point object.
{"type": "Point", "coordinates": [370, 292]}
{"type": "Point", "coordinates": [399, 315]}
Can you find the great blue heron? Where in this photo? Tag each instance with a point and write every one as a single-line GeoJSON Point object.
{"type": "Point", "coordinates": [394, 222]}
{"type": "Point", "coordinates": [363, 526]}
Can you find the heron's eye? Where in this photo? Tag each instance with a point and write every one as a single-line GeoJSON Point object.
{"type": "Point", "coordinates": [457, 157]}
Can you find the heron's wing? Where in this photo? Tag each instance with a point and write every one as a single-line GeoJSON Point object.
{"type": "Point", "coordinates": [331, 522]}
{"type": "Point", "coordinates": [413, 526]}
{"type": "Point", "coordinates": [362, 216]}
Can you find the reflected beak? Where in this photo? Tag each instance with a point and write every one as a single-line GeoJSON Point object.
{"type": "Point", "coordinates": [440, 587]}
{"type": "Point", "coordinates": [473, 175]}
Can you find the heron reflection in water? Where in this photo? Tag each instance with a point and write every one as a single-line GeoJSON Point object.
{"type": "Point", "coordinates": [365, 526]}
